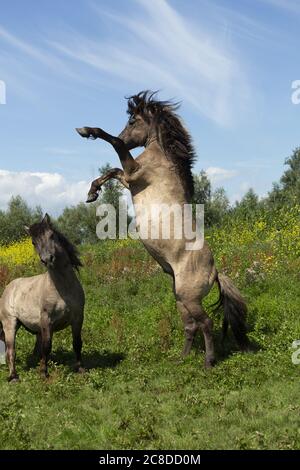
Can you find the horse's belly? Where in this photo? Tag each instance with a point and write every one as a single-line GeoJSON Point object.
{"type": "Point", "coordinates": [30, 319]}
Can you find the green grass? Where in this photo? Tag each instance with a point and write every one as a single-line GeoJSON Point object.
{"type": "Point", "coordinates": [137, 394]}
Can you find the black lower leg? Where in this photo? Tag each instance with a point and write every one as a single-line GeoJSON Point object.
{"type": "Point", "coordinates": [128, 162]}
{"type": "Point", "coordinates": [46, 350]}
{"type": "Point", "coordinates": [77, 346]}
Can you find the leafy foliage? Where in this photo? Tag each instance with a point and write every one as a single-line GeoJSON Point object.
{"type": "Point", "coordinates": [216, 203]}
{"type": "Point", "coordinates": [288, 190]}
{"type": "Point", "coordinates": [13, 220]}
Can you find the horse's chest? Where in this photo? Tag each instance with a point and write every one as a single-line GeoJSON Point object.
{"type": "Point", "coordinates": [60, 317]}
{"type": "Point", "coordinates": [60, 313]}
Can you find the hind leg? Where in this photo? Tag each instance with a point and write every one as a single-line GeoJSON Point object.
{"type": "Point", "coordinates": [37, 351]}
{"type": "Point", "coordinates": [194, 319]}
{"type": "Point", "coordinates": [77, 344]}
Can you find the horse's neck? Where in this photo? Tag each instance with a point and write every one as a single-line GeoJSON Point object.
{"type": "Point", "coordinates": [159, 176]}
{"type": "Point", "coordinates": [63, 276]}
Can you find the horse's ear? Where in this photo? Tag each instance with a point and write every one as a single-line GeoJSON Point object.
{"type": "Point", "coordinates": [27, 230]}
{"type": "Point", "coordinates": [46, 219]}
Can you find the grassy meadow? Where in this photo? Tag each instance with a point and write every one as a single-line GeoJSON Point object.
{"type": "Point", "coordinates": [137, 393]}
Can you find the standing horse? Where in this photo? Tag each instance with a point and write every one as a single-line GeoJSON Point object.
{"type": "Point", "coordinates": [45, 303]}
{"type": "Point", "coordinates": [162, 175]}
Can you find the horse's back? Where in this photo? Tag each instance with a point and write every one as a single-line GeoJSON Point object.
{"type": "Point", "coordinates": [21, 300]}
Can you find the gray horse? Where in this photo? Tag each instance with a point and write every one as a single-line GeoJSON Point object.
{"type": "Point", "coordinates": [45, 303]}
{"type": "Point", "coordinates": [161, 175]}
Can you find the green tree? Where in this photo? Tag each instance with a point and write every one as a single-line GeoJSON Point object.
{"type": "Point", "coordinates": [249, 206]}
{"type": "Point", "coordinates": [13, 220]}
{"type": "Point", "coordinates": [288, 190]}
{"type": "Point", "coordinates": [216, 203]}
{"type": "Point", "coordinates": [78, 223]}
{"type": "Point", "coordinates": [202, 188]}
{"type": "Point", "coordinates": [218, 206]}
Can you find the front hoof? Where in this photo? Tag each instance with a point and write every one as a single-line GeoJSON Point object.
{"type": "Point", "coordinates": [209, 363]}
{"type": "Point", "coordinates": [84, 131]}
{"type": "Point", "coordinates": [92, 197]}
{"type": "Point", "coordinates": [13, 380]}
{"type": "Point", "coordinates": [44, 375]}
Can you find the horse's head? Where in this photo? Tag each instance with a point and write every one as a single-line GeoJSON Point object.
{"type": "Point", "coordinates": [44, 240]}
{"type": "Point", "coordinates": [136, 133]}
{"type": "Point", "coordinates": [52, 247]}
{"type": "Point", "coordinates": [143, 119]}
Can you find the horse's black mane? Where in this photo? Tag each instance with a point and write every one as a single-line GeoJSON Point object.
{"type": "Point", "coordinates": [172, 136]}
{"type": "Point", "coordinates": [38, 229]}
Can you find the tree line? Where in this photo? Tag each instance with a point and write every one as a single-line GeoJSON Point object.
{"type": "Point", "coordinates": [78, 222]}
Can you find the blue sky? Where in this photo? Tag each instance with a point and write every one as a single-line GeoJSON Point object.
{"type": "Point", "coordinates": [68, 64]}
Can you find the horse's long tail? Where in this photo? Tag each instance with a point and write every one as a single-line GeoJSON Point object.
{"type": "Point", "coordinates": [235, 310]}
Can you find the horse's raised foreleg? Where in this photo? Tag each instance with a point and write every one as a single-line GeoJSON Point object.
{"type": "Point", "coordinates": [77, 344]}
{"type": "Point", "coordinates": [128, 162]}
{"type": "Point", "coordinates": [115, 173]}
{"type": "Point", "coordinates": [10, 347]}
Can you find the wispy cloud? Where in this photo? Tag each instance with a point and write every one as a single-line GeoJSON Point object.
{"type": "Point", "coordinates": [50, 190]}
{"type": "Point", "coordinates": [291, 6]}
{"type": "Point", "coordinates": [163, 50]}
{"type": "Point", "coordinates": [216, 174]}
{"type": "Point", "coordinates": [38, 54]}
{"type": "Point", "coordinates": [60, 151]}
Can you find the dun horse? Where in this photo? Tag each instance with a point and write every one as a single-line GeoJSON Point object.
{"type": "Point", "coordinates": [162, 175]}
{"type": "Point", "coordinates": [45, 303]}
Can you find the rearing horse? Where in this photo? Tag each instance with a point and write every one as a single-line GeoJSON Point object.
{"type": "Point", "coordinates": [162, 175]}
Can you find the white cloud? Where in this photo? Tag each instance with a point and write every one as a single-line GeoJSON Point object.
{"type": "Point", "coordinates": [216, 174]}
{"type": "Point", "coordinates": [49, 190]}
